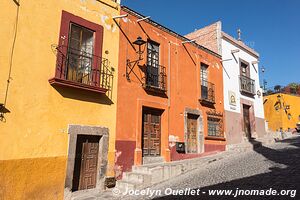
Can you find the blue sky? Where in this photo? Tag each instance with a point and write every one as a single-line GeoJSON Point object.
{"type": "Point", "coordinates": [271, 27]}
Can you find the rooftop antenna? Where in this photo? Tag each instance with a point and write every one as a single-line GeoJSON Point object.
{"type": "Point", "coordinates": [239, 34]}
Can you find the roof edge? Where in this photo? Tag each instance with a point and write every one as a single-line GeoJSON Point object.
{"type": "Point", "coordinates": [163, 28]}
{"type": "Point", "coordinates": [240, 44]}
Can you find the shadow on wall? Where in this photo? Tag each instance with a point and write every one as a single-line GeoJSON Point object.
{"type": "Point", "coordinates": [280, 177]}
{"type": "Point", "coordinates": [3, 111]}
{"type": "Point", "coordinates": [82, 95]}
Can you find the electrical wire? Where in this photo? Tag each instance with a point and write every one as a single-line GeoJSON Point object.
{"type": "Point", "coordinates": [12, 51]}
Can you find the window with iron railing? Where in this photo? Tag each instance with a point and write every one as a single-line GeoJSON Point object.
{"type": "Point", "coordinates": [214, 127]}
{"type": "Point", "coordinates": [77, 65]}
{"type": "Point", "coordinates": [83, 68]}
{"type": "Point", "coordinates": [247, 85]}
{"type": "Point", "coordinates": [207, 88]}
{"type": "Point", "coordinates": [79, 60]}
{"type": "Point", "coordinates": [207, 91]}
{"type": "Point", "coordinates": [155, 75]}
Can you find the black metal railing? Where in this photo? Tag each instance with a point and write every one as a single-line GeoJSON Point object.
{"type": "Point", "coordinates": [215, 123]}
{"type": "Point", "coordinates": [155, 77]}
{"type": "Point", "coordinates": [247, 85]}
{"type": "Point", "coordinates": [83, 68]}
{"type": "Point", "coordinates": [207, 91]}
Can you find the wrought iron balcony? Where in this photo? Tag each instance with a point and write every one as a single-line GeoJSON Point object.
{"type": "Point", "coordinates": [207, 92]}
{"type": "Point", "coordinates": [155, 78]}
{"type": "Point", "coordinates": [247, 85]}
{"type": "Point", "coordinates": [79, 69]}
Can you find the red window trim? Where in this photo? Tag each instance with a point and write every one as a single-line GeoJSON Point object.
{"type": "Point", "coordinates": [68, 18]}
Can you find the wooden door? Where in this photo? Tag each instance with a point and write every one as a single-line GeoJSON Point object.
{"type": "Point", "coordinates": [85, 170]}
{"type": "Point", "coordinates": [151, 139]}
{"type": "Point", "coordinates": [246, 116]}
{"type": "Point", "coordinates": [192, 143]}
{"type": "Point", "coordinates": [80, 54]}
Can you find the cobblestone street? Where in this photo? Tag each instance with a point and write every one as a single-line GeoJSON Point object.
{"type": "Point", "coordinates": [275, 166]}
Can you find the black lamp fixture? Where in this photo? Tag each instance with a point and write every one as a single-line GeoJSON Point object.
{"type": "Point", "coordinates": [139, 42]}
{"type": "Point", "coordinates": [131, 64]}
{"type": "Point", "coordinates": [2, 112]}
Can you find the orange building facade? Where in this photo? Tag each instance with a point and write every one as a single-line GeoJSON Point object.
{"type": "Point", "coordinates": [170, 95]}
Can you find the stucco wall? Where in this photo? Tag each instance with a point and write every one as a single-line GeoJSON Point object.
{"type": "Point", "coordinates": [279, 118]}
{"type": "Point", "coordinates": [34, 133]}
{"type": "Point", "coordinates": [231, 78]}
{"type": "Point", "coordinates": [232, 86]}
{"type": "Point", "coordinates": [183, 91]}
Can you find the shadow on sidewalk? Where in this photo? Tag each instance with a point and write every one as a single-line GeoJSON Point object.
{"type": "Point", "coordinates": [285, 176]}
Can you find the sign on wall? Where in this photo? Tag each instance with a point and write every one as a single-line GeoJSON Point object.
{"type": "Point", "coordinates": [232, 98]}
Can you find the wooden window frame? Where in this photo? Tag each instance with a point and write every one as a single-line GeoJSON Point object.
{"type": "Point", "coordinates": [66, 20]}
{"type": "Point", "coordinates": [247, 68]}
{"type": "Point", "coordinates": [218, 122]}
{"type": "Point", "coordinates": [207, 71]}
{"type": "Point", "coordinates": [154, 84]}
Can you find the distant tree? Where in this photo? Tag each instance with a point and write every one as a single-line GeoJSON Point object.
{"type": "Point", "coordinates": [269, 92]}
{"type": "Point", "coordinates": [293, 87]}
{"type": "Point", "coordinates": [277, 88]}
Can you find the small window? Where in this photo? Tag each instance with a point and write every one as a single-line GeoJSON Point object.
{"type": "Point", "coordinates": [244, 69]}
{"type": "Point", "coordinates": [204, 72]}
{"type": "Point", "coordinates": [214, 127]}
{"type": "Point", "coordinates": [153, 64]}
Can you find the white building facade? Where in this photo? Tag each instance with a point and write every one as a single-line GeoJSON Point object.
{"type": "Point", "coordinates": [243, 101]}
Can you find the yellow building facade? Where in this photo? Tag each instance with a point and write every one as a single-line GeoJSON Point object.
{"type": "Point", "coordinates": [57, 97]}
{"type": "Point", "coordinates": [282, 111]}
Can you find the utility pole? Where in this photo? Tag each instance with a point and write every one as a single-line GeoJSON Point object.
{"type": "Point", "coordinates": [264, 82]}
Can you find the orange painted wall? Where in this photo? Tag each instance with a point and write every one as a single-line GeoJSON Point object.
{"type": "Point", "coordinates": [184, 89]}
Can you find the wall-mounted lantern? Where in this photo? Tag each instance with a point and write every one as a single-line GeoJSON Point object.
{"type": "Point", "coordinates": [258, 93]}
{"type": "Point", "coordinates": [139, 42]}
{"type": "Point", "coordinates": [131, 64]}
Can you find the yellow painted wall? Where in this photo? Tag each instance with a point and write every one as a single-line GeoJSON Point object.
{"type": "Point", "coordinates": [279, 118]}
{"type": "Point", "coordinates": [33, 136]}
